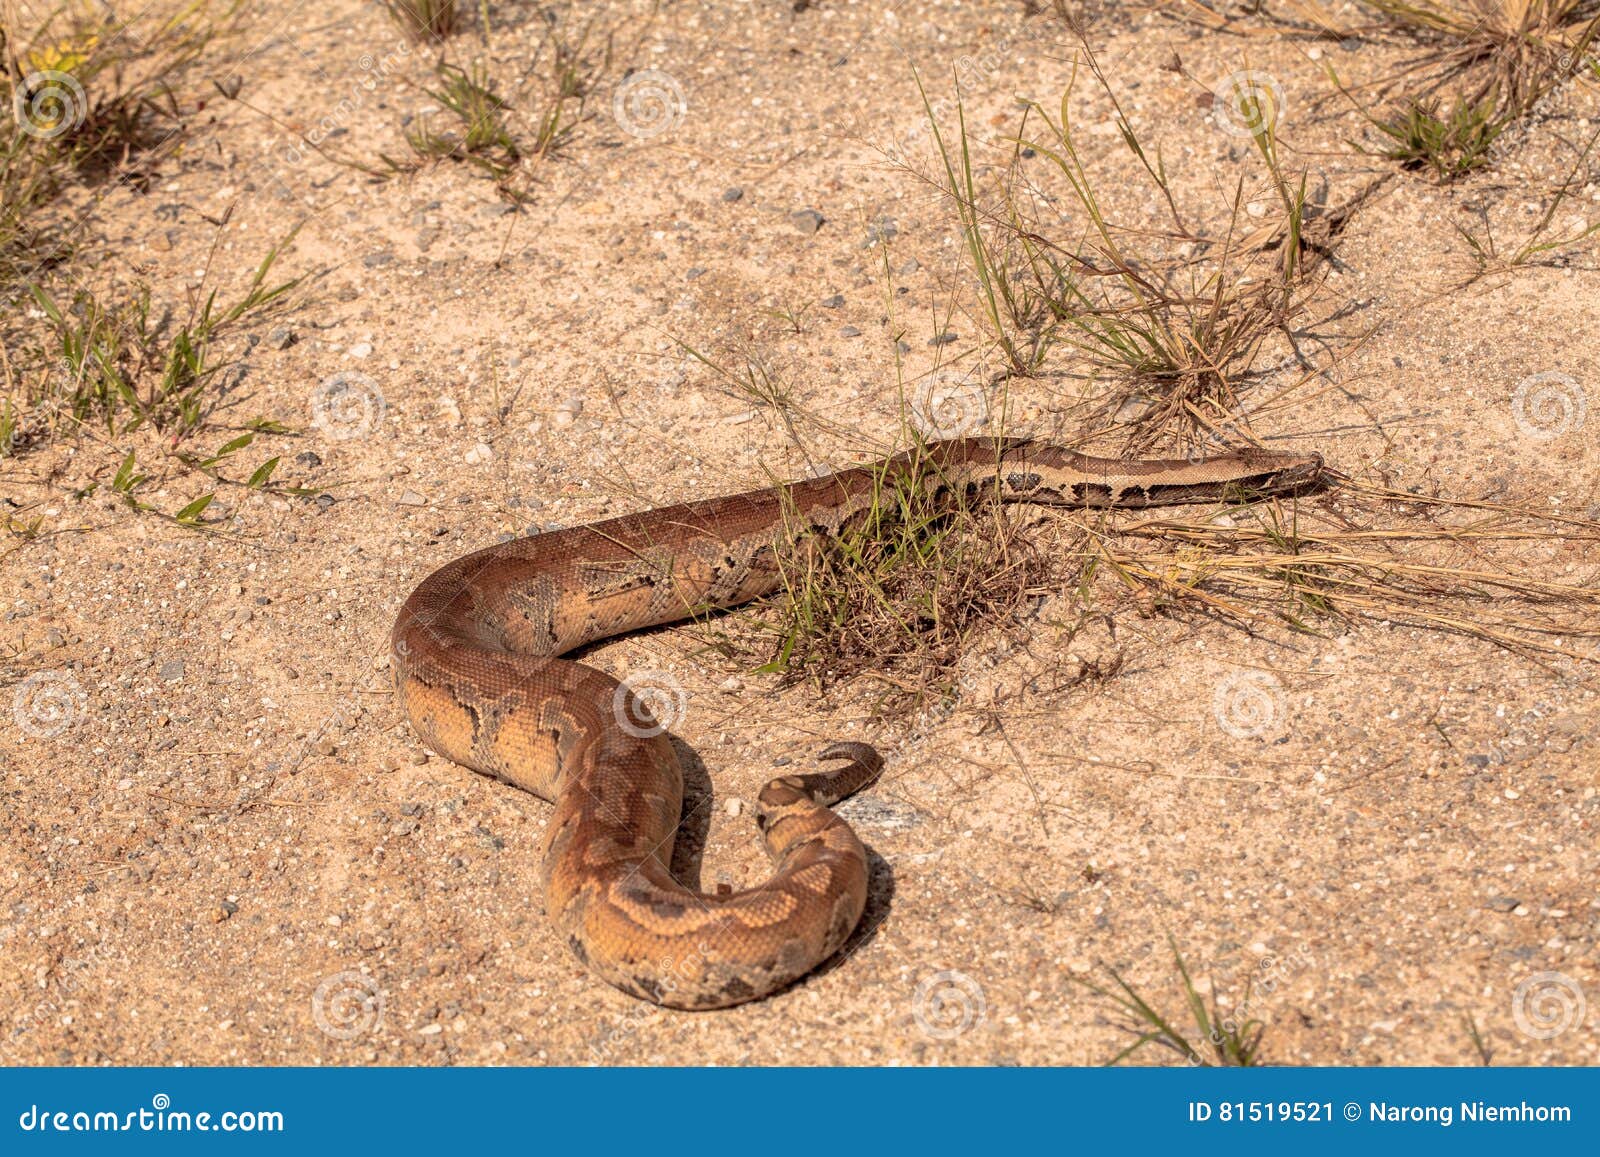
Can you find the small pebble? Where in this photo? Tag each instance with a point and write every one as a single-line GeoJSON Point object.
{"type": "Point", "coordinates": [733, 194]}
{"type": "Point", "coordinates": [735, 807]}
{"type": "Point", "coordinates": [567, 412]}
{"type": "Point", "coordinates": [280, 338]}
{"type": "Point", "coordinates": [883, 229]}
{"type": "Point", "coordinates": [410, 498]}
{"type": "Point", "coordinates": [833, 302]}
{"type": "Point", "coordinates": [807, 221]}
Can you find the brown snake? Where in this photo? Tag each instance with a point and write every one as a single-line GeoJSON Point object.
{"type": "Point", "coordinates": [475, 659]}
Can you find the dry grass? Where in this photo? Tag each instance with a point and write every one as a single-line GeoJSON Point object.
{"type": "Point", "coordinates": [91, 97]}
{"type": "Point", "coordinates": [899, 592]}
{"type": "Point", "coordinates": [1172, 314]}
{"type": "Point", "coordinates": [100, 98]}
{"type": "Point", "coordinates": [1176, 315]}
{"type": "Point", "coordinates": [108, 95]}
{"type": "Point", "coordinates": [1485, 65]}
{"type": "Point", "coordinates": [1368, 554]}
{"type": "Point", "coordinates": [425, 20]}
{"type": "Point", "coordinates": [1219, 1039]}
{"type": "Point", "coordinates": [27, 183]}
{"type": "Point", "coordinates": [504, 123]}
{"type": "Point", "coordinates": [1510, 51]}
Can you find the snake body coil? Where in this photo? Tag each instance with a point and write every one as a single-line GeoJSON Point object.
{"type": "Point", "coordinates": [477, 672]}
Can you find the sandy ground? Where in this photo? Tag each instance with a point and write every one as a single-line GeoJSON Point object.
{"type": "Point", "coordinates": [229, 848]}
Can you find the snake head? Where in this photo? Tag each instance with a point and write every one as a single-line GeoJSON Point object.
{"type": "Point", "coordinates": [1265, 472]}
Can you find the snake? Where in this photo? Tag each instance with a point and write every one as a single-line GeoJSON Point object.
{"type": "Point", "coordinates": [477, 660]}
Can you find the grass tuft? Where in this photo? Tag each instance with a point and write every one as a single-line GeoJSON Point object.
{"type": "Point", "coordinates": [1496, 60]}
{"type": "Point", "coordinates": [478, 134]}
{"type": "Point", "coordinates": [1218, 1039]}
{"type": "Point", "coordinates": [1450, 144]}
{"type": "Point", "coordinates": [108, 97]}
{"type": "Point", "coordinates": [1173, 315]}
{"type": "Point", "coordinates": [127, 364]}
{"type": "Point", "coordinates": [425, 20]}
{"type": "Point", "coordinates": [499, 134]}
{"type": "Point", "coordinates": [898, 591]}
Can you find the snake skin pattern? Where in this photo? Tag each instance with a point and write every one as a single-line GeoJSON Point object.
{"type": "Point", "coordinates": [475, 655]}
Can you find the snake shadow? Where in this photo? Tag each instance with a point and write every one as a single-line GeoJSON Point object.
{"type": "Point", "coordinates": [688, 857]}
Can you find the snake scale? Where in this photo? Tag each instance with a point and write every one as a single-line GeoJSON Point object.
{"type": "Point", "coordinates": [476, 658]}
